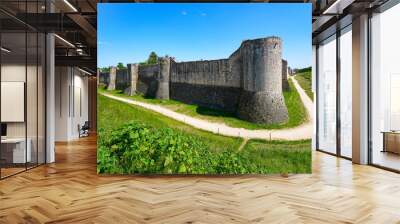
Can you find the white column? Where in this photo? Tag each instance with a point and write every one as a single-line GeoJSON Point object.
{"type": "Point", "coordinates": [314, 90]}
{"type": "Point", "coordinates": [50, 101]}
{"type": "Point", "coordinates": [360, 90]}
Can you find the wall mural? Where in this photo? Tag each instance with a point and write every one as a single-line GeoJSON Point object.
{"type": "Point", "coordinates": [244, 114]}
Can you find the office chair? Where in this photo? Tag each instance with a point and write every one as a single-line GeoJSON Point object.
{"type": "Point", "coordinates": [84, 130]}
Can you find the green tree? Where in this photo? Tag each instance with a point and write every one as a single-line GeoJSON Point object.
{"type": "Point", "coordinates": [120, 65]}
{"type": "Point", "coordinates": [105, 69]}
{"type": "Point", "coordinates": [153, 58]}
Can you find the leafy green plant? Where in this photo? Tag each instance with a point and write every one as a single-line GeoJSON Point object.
{"type": "Point", "coordinates": [204, 152]}
{"type": "Point", "coordinates": [151, 60]}
{"type": "Point", "coordinates": [121, 65]}
{"type": "Point", "coordinates": [137, 148]}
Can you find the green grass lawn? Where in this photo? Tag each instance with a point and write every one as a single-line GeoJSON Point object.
{"type": "Point", "coordinates": [304, 80]}
{"type": "Point", "coordinates": [256, 156]}
{"type": "Point", "coordinates": [297, 112]}
{"type": "Point", "coordinates": [113, 114]}
{"type": "Point", "coordinates": [273, 155]}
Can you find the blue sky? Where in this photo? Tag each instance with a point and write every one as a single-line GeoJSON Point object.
{"type": "Point", "coordinates": [128, 32]}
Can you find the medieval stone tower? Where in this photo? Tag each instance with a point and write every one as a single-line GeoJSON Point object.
{"type": "Point", "coordinates": [262, 100]}
{"type": "Point", "coordinates": [113, 77]}
{"type": "Point", "coordinates": [163, 78]}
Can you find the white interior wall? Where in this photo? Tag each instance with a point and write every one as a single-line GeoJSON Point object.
{"type": "Point", "coordinates": [71, 102]}
{"type": "Point", "coordinates": [33, 126]}
{"type": "Point", "coordinates": [61, 103]}
{"type": "Point", "coordinates": [9, 73]}
{"type": "Point", "coordinates": [81, 94]}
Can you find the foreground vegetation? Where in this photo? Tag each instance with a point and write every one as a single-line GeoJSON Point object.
{"type": "Point", "coordinates": [113, 114]}
{"type": "Point", "coordinates": [304, 79]}
{"type": "Point", "coordinates": [135, 140]}
{"type": "Point", "coordinates": [296, 110]}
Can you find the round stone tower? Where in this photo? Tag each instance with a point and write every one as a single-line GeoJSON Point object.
{"type": "Point", "coordinates": [113, 78]}
{"type": "Point", "coordinates": [163, 78]}
{"type": "Point", "coordinates": [262, 100]}
{"type": "Point", "coordinates": [133, 75]}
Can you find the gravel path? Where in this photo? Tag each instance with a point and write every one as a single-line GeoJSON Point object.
{"type": "Point", "coordinates": [303, 131]}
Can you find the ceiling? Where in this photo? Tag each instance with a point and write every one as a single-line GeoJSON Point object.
{"type": "Point", "coordinates": [73, 21]}
{"type": "Point", "coordinates": [329, 15]}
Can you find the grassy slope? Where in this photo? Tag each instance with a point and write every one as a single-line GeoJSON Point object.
{"type": "Point", "coordinates": [112, 114]}
{"type": "Point", "coordinates": [293, 155]}
{"type": "Point", "coordinates": [273, 156]}
{"type": "Point", "coordinates": [304, 80]}
{"type": "Point", "coordinates": [296, 110]}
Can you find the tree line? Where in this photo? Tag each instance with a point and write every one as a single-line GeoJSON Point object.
{"type": "Point", "coordinates": [151, 60]}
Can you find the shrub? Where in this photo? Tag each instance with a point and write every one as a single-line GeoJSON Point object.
{"type": "Point", "coordinates": [137, 148]}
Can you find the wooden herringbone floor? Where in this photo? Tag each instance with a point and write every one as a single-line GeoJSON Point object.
{"type": "Point", "coordinates": [70, 191]}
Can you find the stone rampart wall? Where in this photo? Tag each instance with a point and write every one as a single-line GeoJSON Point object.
{"type": "Point", "coordinates": [248, 83]}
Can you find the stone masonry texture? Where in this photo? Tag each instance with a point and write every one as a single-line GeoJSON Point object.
{"type": "Point", "coordinates": [133, 73]}
{"type": "Point", "coordinates": [113, 76]}
{"type": "Point", "coordinates": [285, 83]}
{"type": "Point", "coordinates": [249, 83]}
{"type": "Point", "coordinates": [163, 78]}
{"type": "Point", "coordinates": [262, 99]}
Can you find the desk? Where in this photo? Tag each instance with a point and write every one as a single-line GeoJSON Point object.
{"type": "Point", "coordinates": [13, 150]}
{"type": "Point", "coordinates": [391, 141]}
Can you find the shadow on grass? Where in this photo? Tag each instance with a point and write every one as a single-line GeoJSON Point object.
{"type": "Point", "coordinates": [148, 97]}
{"type": "Point", "coordinates": [296, 110]}
{"type": "Point", "coordinates": [221, 113]}
{"type": "Point", "coordinates": [214, 112]}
